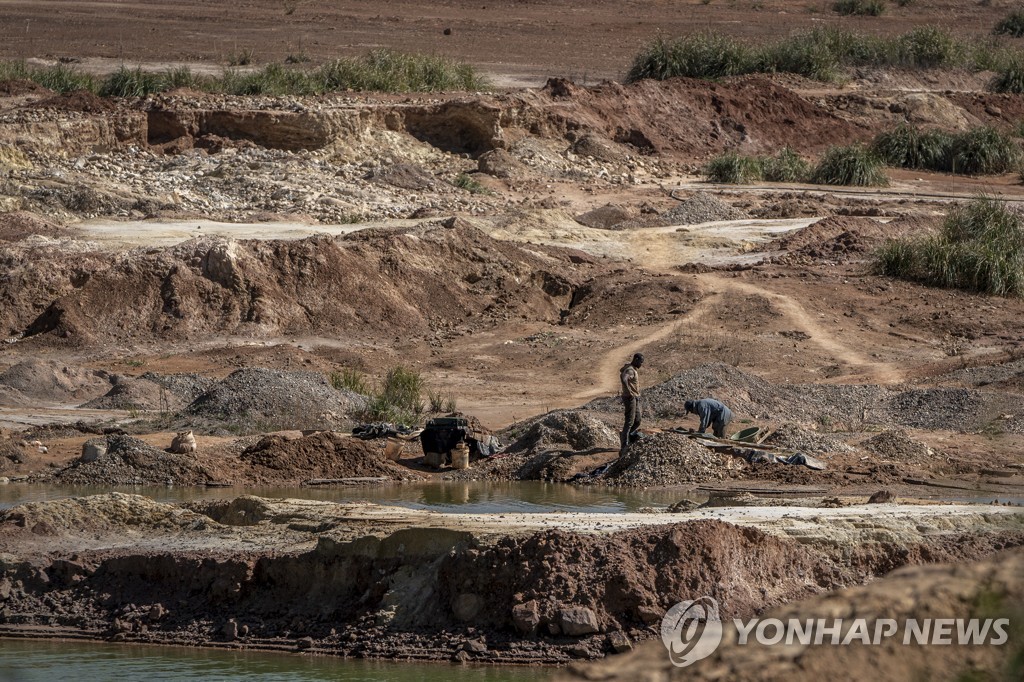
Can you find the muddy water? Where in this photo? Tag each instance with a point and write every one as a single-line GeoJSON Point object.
{"type": "Point", "coordinates": [454, 497]}
{"type": "Point", "coordinates": [25, 661]}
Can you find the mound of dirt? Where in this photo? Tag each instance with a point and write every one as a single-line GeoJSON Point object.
{"type": "Point", "coordinates": [130, 461]}
{"type": "Point", "coordinates": [321, 455]}
{"type": "Point", "coordinates": [120, 512]}
{"type": "Point", "coordinates": [790, 436]}
{"type": "Point", "coordinates": [563, 430]}
{"type": "Point", "coordinates": [701, 207]}
{"type": "Point", "coordinates": [665, 459]}
{"type": "Point", "coordinates": [18, 225]}
{"type": "Point", "coordinates": [383, 282]}
{"type": "Point", "coordinates": [843, 238]}
{"type": "Point", "coordinates": [294, 400]}
{"type": "Point", "coordinates": [897, 445]}
{"type": "Point", "coordinates": [51, 381]}
{"type": "Point", "coordinates": [81, 101]}
{"type": "Point", "coordinates": [170, 392]}
{"type": "Point", "coordinates": [606, 217]}
{"type": "Point", "coordinates": [629, 579]}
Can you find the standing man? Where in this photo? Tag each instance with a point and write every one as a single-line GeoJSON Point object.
{"type": "Point", "coordinates": [630, 378]}
{"type": "Point", "coordinates": [712, 413]}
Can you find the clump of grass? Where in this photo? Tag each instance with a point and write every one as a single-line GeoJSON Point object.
{"type": "Point", "coordinates": [466, 182]}
{"type": "Point", "coordinates": [350, 380]}
{"type": "Point", "coordinates": [400, 398]}
{"type": "Point", "coordinates": [907, 146]}
{"type": "Point", "coordinates": [241, 57]}
{"type": "Point", "coordinates": [979, 248]}
{"type": "Point", "coordinates": [60, 78]}
{"type": "Point", "coordinates": [812, 54]}
{"type": "Point", "coordinates": [135, 82]}
{"type": "Point", "coordinates": [930, 47]}
{"type": "Point", "coordinates": [854, 165]}
{"type": "Point", "coordinates": [1010, 25]}
{"type": "Point", "coordinates": [273, 79]}
{"type": "Point", "coordinates": [389, 71]}
{"type": "Point", "coordinates": [702, 55]}
{"type": "Point", "coordinates": [865, 8]}
{"type": "Point", "coordinates": [983, 151]}
{"type": "Point", "coordinates": [785, 166]}
{"type": "Point", "coordinates": [441, 402]}
{"type": "Point", "coordinates": [1009, 77]}
{"type": "Point", "coordinates": [733, 169]}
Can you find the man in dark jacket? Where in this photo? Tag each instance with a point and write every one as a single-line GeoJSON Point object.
{"type": "Point", "coordinates": [630, 380]}
{"type": "Point", "coordinates": [712, 413]}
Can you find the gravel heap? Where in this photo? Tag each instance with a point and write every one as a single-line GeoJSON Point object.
{"type": "Point", "coordinates": [322, 455]}
{"type": "Point", "coordinates": [897, 445]}
{"type": "Point", "coordinates": [269, 398]}
{"type": "Point", "coordinates": [790, 436]}
{"type": "Point", "coordinates": [563, 430]}
{"type": "Point", "coordinates": [938, 408]}
{"type": "Point", "coordinates": [701, 208]}
{"type": "Point", "coordinates": [130, 461]}
{"type": "Point", "coordinates": [665, 459]}
{"type": "Point", "coordinates": [151, 392]}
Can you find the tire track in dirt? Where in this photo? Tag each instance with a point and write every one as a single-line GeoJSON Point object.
{"type": "Point", "coordinates": [864, 367]}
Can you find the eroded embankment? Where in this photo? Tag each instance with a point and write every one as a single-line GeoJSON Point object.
{"type": "Point", "coordinates": [365, 580]}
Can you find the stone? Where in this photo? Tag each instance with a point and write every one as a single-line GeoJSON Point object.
{"type": "Point", "coordinates": [304, 643]}
{"type": "Point", "coordinates": [649, 614]}
{"type": "Point", "coordinates": [92, 450]}
{"type": "Point", "coordinates": [475, 646]}
{"type": "Point", "coordinates": [466, 607]}
{"type": "Point", "coordinates": [498, 163]}
{"type": "Point", "coordinates": [157, 611]}
{"type": "Point", "coordinates": [619, 642]}
{"type": "Point", "coordinates": [526, 617]}
{"type": "Point", "coordinates": [881, 497]}
{"type": "Point", "coordinates": [576, 621]}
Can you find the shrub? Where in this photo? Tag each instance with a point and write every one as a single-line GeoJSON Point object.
{"type": "Point", "coordinates": [63, 79]}
{"type": "Point", "coordinates": [466, 182]}
{"type": "Point", "coordinates": [702, 55]}
{"type": "Point", "coordinates": [811, 54]}
{"type": "Point", "coordinates": [854, 165]}
{"type": "Point", "coordinates": [400, 398]}
{"type": "Point", "coordinates": [979, 248]}
{"type": "Point", "coordinates": [389, 71]}
{"type": "Point", "coordinates": [906, 146]}
{"type": "Point", "coordinates": [440, 402]}
{"type": "Point", "coordinates": [1009, 77]}
{"type": "Point", "coordinates": [983, 151]}
{"type": "Point", "coordinates": [734, 169]}
{"type": "Point", "coordinates": [929, 47]}
{"type": "Point", "coordinates": [1011, 25]}
{"type": "Point", "coordinates": [135, 82]}
{"type": "Point", "coordinates": [351, 380]}
{"type": "Point", "coordinates": [868, 8]}
{"type": "Point", "coordinates": [786, 166]}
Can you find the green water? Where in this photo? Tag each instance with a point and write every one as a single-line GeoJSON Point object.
{"type": "Point", "coordinates": [27, 661]}
{"type": "Point", "coordinates": [469, 497]}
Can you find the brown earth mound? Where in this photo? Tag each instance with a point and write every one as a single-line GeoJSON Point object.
{"type": "Point", "coordinates": [18, 225]}
{"type": "Point", "coordinates": [842, 238]}
{"type": "Point", "coordinates": [80, 100]}
{"type": "Point", "coordinates": [322, 455]}
{"type": "Point", "coordinates": [51, 381]}
{"type": "Point", "coordinates": [898, 445]}
{"type": "Point", "coordinates": [794, 437]}
{"type": "Point", "coordinates": [383, 281]}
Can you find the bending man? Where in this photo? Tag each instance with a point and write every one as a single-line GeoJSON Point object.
{"type": "Point", "coordinates": [630, 378]}
{"type": "Point", "coordinates": [712, 413]}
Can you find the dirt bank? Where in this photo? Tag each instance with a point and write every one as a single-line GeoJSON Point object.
{"type": "Point", "coordinates": [373, 581]}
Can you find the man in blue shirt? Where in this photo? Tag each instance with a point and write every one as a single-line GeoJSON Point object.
{"type": "Point", "coordinates": [711, 412]}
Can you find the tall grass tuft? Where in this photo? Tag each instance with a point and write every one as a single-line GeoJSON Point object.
{"type": "Point", "coordinates": [907, 146]}
{"type": "Point", "coordinates": [135, 82]}
{"type": "Point", "coordinates": [785, 166]}
{"type": "Point", "coordinates": [389, 71]}
{"type": "Point", "coordinates": [350, 380]}
{"type": "Point", "coordinates": [733, 169]}
{"type": "Point", "coordinates": [702, 55]}
{"type": "Point", "coordinates": [979, 248]}
{"type": "Point", "coordinates": [983, 151]}
{"type": "Point", "coordinates": [865, 8]}
{"type": "Point", "coordinates": [400, 398]}
{"type": "Point", "coordinates": [1010, 25]}
{"type": "Point", "coordinates": [854, 165]}
{"type": "Point", "coordinates": [1009, 77]}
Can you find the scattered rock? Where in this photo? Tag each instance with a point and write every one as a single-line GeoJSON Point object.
{"type": "Point", "coordinates": [881, 497]}
{"type": "Point", "coordinates": [577, 621]}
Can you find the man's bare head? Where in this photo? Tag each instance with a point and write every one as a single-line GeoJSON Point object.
{"type": "Point", "coordinates": [638, 360]}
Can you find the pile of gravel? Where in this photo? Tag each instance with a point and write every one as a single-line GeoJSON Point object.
{"type": "Point", "coordinates": [937, 408]}
{"type": "Point", "coordinates": [562, 430]}
{"type": "Point", "coordinates": [130, 461]}
{"type": "Point", "coordinates": [164, 392]}
{"type": "Point", "coordinates": [665, 459]}
{"type": "Point", "coordinates": [790, 436]}
{"type": "Point", "coordinates": [269, 398]}
{"type": "Point", "coordinates": [701, 208]}
{"type": "Point", "coordinates": [897, 445]}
